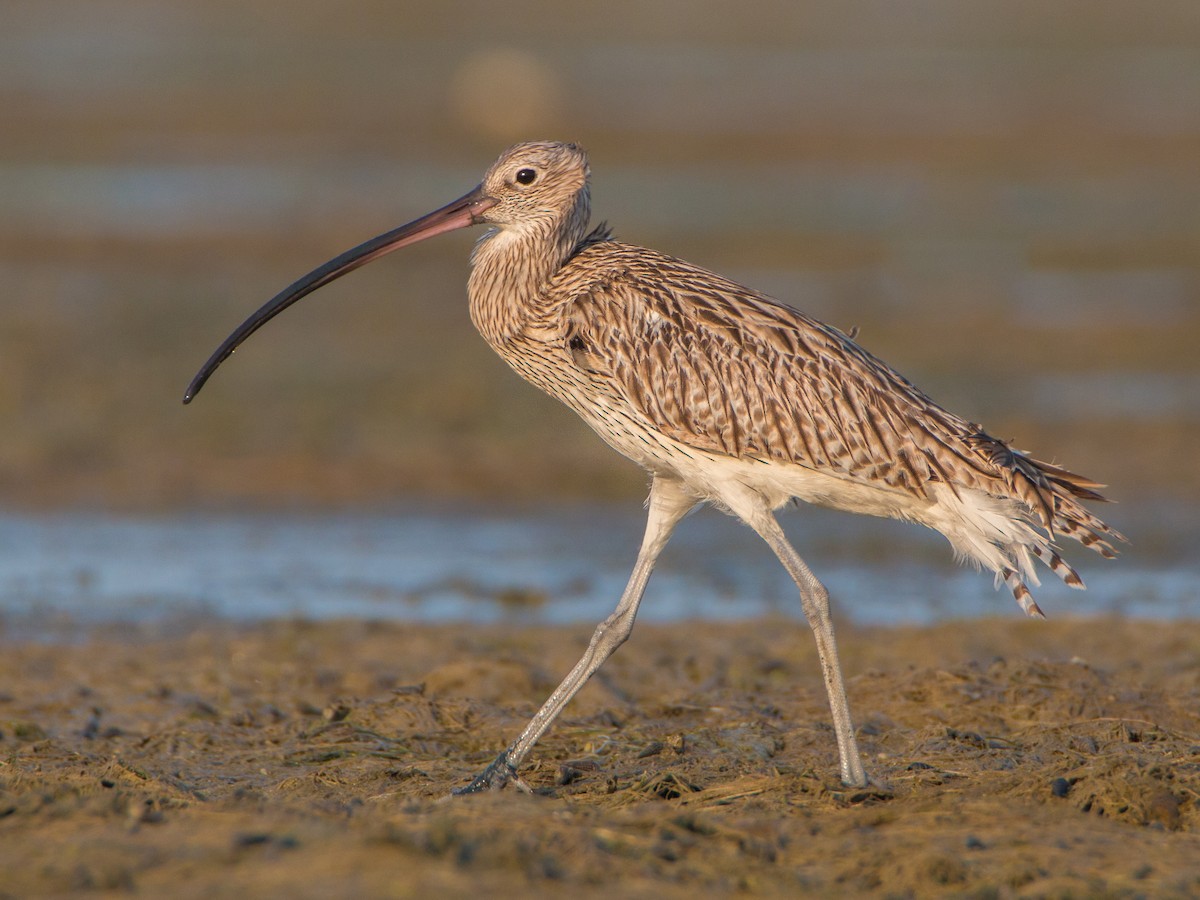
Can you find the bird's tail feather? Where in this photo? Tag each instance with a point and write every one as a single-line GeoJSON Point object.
{"type": "Point", "coordinates": [1002, 534]}
{"type": "Point", "coordinates": [1060, 492]}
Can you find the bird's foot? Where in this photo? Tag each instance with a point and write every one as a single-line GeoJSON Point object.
{"type": "Point", "coordinates": [494, 778]}
{"type": "Point", "coordinates": [872, 787]}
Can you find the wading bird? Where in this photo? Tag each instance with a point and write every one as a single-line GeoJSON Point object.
{"type": "Point", "coordinates": [725, 396]}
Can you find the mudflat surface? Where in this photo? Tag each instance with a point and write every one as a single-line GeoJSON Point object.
{"type": "Point", "coordinates": [313, 760]}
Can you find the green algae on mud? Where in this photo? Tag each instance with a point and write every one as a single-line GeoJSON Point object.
{"type": "Point", "coordinates": [1057, 758]}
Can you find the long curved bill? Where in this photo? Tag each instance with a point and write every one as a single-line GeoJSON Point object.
{"type": "Point", "coordinates": [463, 212]}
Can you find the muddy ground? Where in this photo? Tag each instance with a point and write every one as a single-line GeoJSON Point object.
{"type": "Point", "coordinates": [313, 760]}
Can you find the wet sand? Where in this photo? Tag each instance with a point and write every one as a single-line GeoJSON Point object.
{"type": "Point", "coordinates": [312, 760]}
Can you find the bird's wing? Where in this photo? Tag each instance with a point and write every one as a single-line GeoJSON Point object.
{"type": "Point", "coordinates": [721, 368]}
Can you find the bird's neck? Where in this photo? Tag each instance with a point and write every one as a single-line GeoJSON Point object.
{"type": "Point", "coordinates": [511, 266]}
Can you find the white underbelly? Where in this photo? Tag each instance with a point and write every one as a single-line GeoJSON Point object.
{"type": "Point", "coordinates": [715, 476]}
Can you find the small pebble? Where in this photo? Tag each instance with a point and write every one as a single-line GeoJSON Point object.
{"type": "Point", "coordinates": [573, 770]}
{"type": "Point", "coordinates": [651, 749]}
{"type": "Point", "coordinates": [251, 840]}
{"type": "Point", "coordinates": [335, 712]}
{"type": "Point", "coordinates": [1060, 787]}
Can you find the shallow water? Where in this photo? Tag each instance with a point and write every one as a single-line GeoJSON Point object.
{"type": "Point", "coordinates": [566, 565]}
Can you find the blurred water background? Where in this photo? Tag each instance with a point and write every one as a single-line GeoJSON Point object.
{"type": "Point", "coordinates": [1003, 196]}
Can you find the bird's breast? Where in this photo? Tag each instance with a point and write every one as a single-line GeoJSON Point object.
{"type": "Point", "coordinates": [550, 360]}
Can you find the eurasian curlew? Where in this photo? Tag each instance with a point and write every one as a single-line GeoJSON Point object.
{"type": "Point", "coordinates": [725, 396]}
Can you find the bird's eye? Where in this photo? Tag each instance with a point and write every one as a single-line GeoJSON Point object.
{"type": "Point", "coordinates": [526, 176]}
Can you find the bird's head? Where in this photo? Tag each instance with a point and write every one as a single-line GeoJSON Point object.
{"type": "Point", "coordinates": [533, 183]}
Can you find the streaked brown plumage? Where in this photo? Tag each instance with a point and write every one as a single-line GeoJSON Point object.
{"type": "Point", "coordinates": [725, 396]}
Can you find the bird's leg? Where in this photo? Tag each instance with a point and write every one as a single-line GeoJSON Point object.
{"type": "Point", "coordinates": [668, 503]}
{"type": "Point", "coordinates": [815, 601]}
